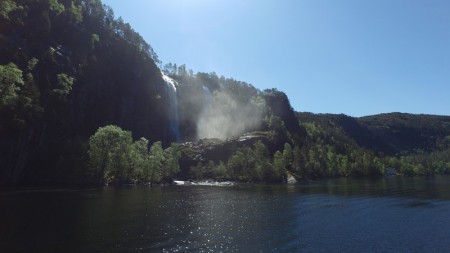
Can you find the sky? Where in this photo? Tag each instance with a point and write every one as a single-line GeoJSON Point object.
{"type": "Point", "coordinates": [348, 56]}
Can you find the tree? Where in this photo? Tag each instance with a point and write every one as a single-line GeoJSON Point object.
{"type": "Point", "coordinates": [182, 70]}
{"type": "Point", "coordinates": [64, 85]}
{"type": "Point", "coordinates": [288, 156]}
{"type": "Point", "coordinates": [156, 159]}
{"type": "Point", "coordinates": [237, 164]}
{"type": "Point", "coordinates": [332, 162]}
{"type": "Point", "coordinates": [76, 12]}
{"type": "Point", "coordinates": [344, 166]}
{"type": "Point", "coordinates": [172, 156]}
{"type": "Point", "coordinates": [262, 164]}
{"type": "Point", "coordinates": [56, 7]}
{"type": "Point", "coordinates": [11, 81]}
{"type": "Point", "coordinates": [220, 171]}
{"type": "Point", "coordinates": [297, 161]}
{"type": "Point", "coordinates": [95, 39]}
{"type": "Point", "coordinates": [6, 7]}
{"type": "Point", "coordinates": [139, 157]}
{"type": "Point", "coordinates": [279, 169]}
{"type": "Point", "coordinates": [109, 154]}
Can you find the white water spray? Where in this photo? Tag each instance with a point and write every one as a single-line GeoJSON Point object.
{"type": "Point", "coordinates": [223, 117]}
{"type": "Point", "coordinates": [171, 88]}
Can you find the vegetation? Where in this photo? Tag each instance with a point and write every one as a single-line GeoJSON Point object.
{"type": "Point", "coordinates": [72, 76]}
{"type": "Point", "coordinates": [401, 143]}
{"type": "Point", "coordinates": [245, 164]}
{"type": "Point", "coordinates": [114, 158]}
{"type": "Point", "coordinates": [68, 67]}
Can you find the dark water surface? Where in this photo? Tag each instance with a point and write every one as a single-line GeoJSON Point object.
{"type": "Point", "coordinates": [342, 215]}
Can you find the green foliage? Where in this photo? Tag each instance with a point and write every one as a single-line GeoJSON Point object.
{"type": "Point", "coordinates": [171, 161]}
{"type": "Point", "coordinates": [238, 165]}
{"type": "Point", "coordinates": [56, 7]}
{"type": "Point", "coordinates": [220, 171]}
{"type": "Point", "coordinates": [64, 85]}
{"type": "Point", "coordinates": [422, 163]}
{"type": "Point", "coordinates": [276, 124]}
{"type": "Point", "coordinates": [288, 156]}
{"type": "Point", "coordinates": [76, 12]}
{"type": "Point", "coordinates": [279, 168]}
{"type": "Point", "coordinates": [312, 129]}
{"type": "Point", "coordinates": [94, 40]}
{"type": "Point", "coordinates": [11, 81]}
{"type": "Point", "coordinates": [262, 164]}
{"type": "Point", "coordinates": [113, 157]}
{"type": "Point", "coordinates": [139, 158]}
{"type": "Point", "coordinates": [297, 161]}
{"type": "Point", "coordinates": [110, 153]}
{"type": "Point", "coordinates": [346, 145]}
{"type": "Point", "coordinates": [6, 7]}
{"type": "Point", "coordinates": [246, 164]}
{"type": "Point", "coordinates": [156, 160]}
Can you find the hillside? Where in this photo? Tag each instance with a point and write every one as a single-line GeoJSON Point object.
{"type": "Point", "coordinates": [408, 133]}
{"type": "Point", "coordinates": [390, 134]}
{"type": "Point", "coordinates": [67, 68]}
{"type": "Point", "coordinates": [85, 100]}
{"type": "Point", "coordinates": [391, 143]}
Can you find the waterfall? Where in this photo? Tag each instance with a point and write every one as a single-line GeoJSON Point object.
{"type": "Point", "coordinates": [174, 125]}
{"type": "Point", "coordinates": [203, 123]}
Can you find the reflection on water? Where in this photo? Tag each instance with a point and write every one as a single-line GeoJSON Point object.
{"type": "Point", "coordinates": [350, 215]}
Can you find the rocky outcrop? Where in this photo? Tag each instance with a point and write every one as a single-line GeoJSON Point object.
{"type": "Point", "coordinates": [205, 150]}
{"type": "Point", "coordinates": [290, 179]}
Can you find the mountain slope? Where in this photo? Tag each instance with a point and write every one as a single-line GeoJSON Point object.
{"type": "Point", "coordinates": [77, 68]}
{"type": "Point", "coordinates": [391, 134]}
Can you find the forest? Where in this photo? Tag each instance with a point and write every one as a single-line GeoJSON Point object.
{"type": "Point", "coordinates": [84, 99]}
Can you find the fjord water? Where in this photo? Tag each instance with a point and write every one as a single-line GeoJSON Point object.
{"type": "Point", "coordinates": [341, 215]}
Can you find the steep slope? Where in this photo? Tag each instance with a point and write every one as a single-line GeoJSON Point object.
{"type": "Point", "coordinates": [71, 67]}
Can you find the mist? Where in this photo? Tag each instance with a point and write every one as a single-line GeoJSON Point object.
{"type": "Point", "coordinates": [224, 117]}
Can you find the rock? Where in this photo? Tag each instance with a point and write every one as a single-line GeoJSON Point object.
{"type": "Point", "coordinates": [291, 179]}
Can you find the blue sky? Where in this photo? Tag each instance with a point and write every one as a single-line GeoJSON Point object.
{"type": "Point", "coordinates": [329, 56]}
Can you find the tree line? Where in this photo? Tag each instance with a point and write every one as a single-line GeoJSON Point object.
{"type": "Point", "coordinates": [115, 158]}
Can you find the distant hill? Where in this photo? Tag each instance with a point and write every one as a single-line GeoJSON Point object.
{"type": "Point", "coordinates": [390, 133]}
